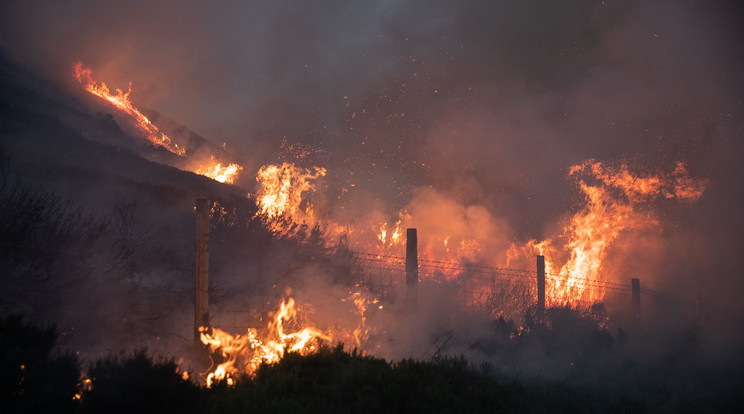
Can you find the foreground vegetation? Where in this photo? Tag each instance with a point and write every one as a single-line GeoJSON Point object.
{"type": "Point", "coordinates": [35, 379]}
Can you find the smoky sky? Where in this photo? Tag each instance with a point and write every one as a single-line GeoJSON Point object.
{"type": "Point", "coordinates": [489, 102]}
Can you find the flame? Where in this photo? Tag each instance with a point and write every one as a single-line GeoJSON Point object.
{"type": "Point", "coordinates": [216, 171]}
{"type": "Point", "coordinates": [615, 203]}
{"type": "Point", "coordinates": [244, 353]}
{"type": "Point", "coordinates": [395, 238]}
{"type": "Point", "coordinates": [281, 194]}
{"type": "Point", "coordinates": [362, 300]}
{"type": "Point", "coordinates": [120, 100]}
{"type": "Point", "coordinates": [592, 231]}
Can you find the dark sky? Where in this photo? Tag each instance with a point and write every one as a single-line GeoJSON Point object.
{"type": "Point", "coordinates": [488, 102]}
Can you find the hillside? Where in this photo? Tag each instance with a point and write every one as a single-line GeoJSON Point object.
{"type": "Point", "coordinates": [57, 137]}
{"type": "Point", "coordinates": [97, 218]}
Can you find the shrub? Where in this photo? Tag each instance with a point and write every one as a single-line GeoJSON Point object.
{"type": "Point", "coordinates": [32, 377]}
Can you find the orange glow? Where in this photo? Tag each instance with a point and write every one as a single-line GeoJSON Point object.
{"type": "Point", "coordinates": [590, 233]}
{"type": "Point", "coordinates": [361, 301]}
{"type": "Point", "coordinates": [616, 202]}
{"type": "Point", "coordinates": [120, 100]}
{"type": "Point", "coordinates": [216, 171]}
{"type": "Point", "coordinates": [395, 236]}
{"type": "Point", "coordinates": [244, 353]}
{"type": "Point", "coordinates": [281, 194]}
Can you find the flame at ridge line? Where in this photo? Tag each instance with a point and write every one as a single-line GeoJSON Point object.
{"type": "Point", "coordinates": [120, 100]}
{"type": "Point", "coordinates": [214, 169]}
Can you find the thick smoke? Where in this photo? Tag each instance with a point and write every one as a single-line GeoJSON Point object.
{"type": "Point", "coordinates": [471, 110]}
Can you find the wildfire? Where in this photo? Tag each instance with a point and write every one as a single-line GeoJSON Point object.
{"type": "Point", "coordinates": [616, 203]}
{"type": "Point", "coordinates": [281, 193]}
{"type": "Point", "coordinates": [593, 230]}
{"type": "Point", "coordinates": [244, 353]}
{"type": "Point", "coordinates": [120, 100]}
{"type": "Point", "coordinates": [216, 171]}
{"type": "Point", "coordinates": [362, 300]}
{"type": "Point", "coordinates": [395, 236]}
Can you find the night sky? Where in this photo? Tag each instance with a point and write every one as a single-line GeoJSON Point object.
{"type": "Point", "coordinates": [486, 102]}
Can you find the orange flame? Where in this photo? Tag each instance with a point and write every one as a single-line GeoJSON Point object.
{"type": "Point", "coordinates": [281, 194]}
{"type": "Point", "coordinates": [361, 301]}
{"type": "Point", "coordinates": [244, 353]}
{"type": "Point", "coordinates": [593, 230]}
{"type": "Point", "coordinates": [120, 100]}
{"type": "Point", "coordinates": [395, 236]}
{"type": "Point", "coordinates": [216, 171]}
{"type": "Point", "coordinates": [457, 235]}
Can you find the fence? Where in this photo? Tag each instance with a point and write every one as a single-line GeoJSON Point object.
{"type": "Point", "coordinates": [494, 291]}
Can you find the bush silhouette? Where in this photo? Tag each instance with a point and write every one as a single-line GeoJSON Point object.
{"type": "Point", "coordinates": [32, 378]}
{"type": "Point", "coordinates": [137, 384]}
{"type": "Point", "coordinates": [335, 381]}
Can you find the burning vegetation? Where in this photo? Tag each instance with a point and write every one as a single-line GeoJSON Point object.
{"type": "Point", "coordinates": [120, 100]}
{"type": "Point", "coordinates": [616, 205]}
{"type": "Point", "coordinates": [321, 279]}
{"type": "Point", "coordinates": [245, 353]}
{"type": "Point", "coordinates": [467, 246]}
{"type": "Point", "coordinates": [214, 169]}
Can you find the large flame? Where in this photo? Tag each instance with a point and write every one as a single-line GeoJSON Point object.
{"type": "Point", "coordinates": [615, 201]}
{"type": "Point", "coordinates": [244, 353]}
{"type": "Point", "coordinates": [613, 196]}
{"type": "Point", "coordinates": [280, 195]}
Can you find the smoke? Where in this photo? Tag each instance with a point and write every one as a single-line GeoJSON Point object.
{"type": "Point", "coordinates": [473, 111]}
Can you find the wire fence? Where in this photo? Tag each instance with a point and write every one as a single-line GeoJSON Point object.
{"type": "Point", "coordinates": [494, 290]}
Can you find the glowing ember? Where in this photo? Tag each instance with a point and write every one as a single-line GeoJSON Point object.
{"type": "Point", "coordinates": [244, 353]}
{"type": "Point", "coordinates": [216, 171]}
{"type": "Point", "coordinates": [120, 100]}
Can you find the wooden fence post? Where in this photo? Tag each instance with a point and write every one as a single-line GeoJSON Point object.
{"type": "Point", "coordinates": [201, 279]}
{"type": "Point", "coordinates": [411, 268]}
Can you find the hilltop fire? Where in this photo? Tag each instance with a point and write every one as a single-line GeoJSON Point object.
{"type": "Point", "coordinates": [454, 237]}
{"type": "Point", "coordinates": [217, 170]}
{"type": "Point", "coordinates": [120, 100]}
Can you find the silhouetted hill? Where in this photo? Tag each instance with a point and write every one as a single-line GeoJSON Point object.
{"type": "Point", "coordinates": [97, 224]}
{"type": "Point", "coordinates": [73, 145]}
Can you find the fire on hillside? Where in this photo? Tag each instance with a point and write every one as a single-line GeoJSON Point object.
{"type": "Point", "coordinates": [456, 238]}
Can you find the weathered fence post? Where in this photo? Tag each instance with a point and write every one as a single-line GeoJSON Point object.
{"type": "Point", "coordinates": [636, 289]}
{"type": "Point", "coordinates": [540, 287]}
{"type": "Point", "coordinates": [201, 280]}
{"type": "Point", "coordinates": [411, 268]}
